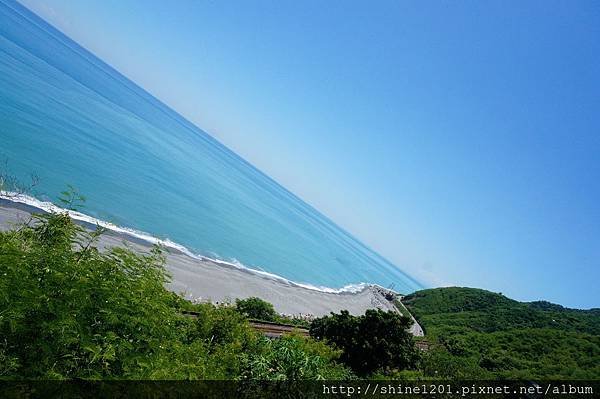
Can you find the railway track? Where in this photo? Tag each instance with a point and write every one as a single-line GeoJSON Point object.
{"type": "Point", "coordinates": [269, 329]}
{"type": "Point", "coordinates": [276, 330]}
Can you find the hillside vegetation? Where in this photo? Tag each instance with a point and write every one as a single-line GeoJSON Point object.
{"type": "Point", "coordinates": [482, 334]}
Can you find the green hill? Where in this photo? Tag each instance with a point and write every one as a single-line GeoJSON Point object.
{"type": "Point", "coordinates": [440, 309]}
{"type": "Point", "coordinates": [489, 335]}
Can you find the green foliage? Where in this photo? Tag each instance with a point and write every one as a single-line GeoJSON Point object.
{"type": "Point", "coordinates": [486, 335]}
{"type": "Point", "coordinates": [439, 363]}
{"type": "Point", "coordinates": [68, 310]}
{"type": "Point", "coordinates": [71, 199]}
{"type": "Point", "coordinates": [294, 321]}
{"type": "Point", "coordinates": [256, 308]}
{"type": "Point", "coordinates": [376, 341]}
{"type": "Point", "coordinates": [294, 358]}
{"type": "Point", "coordinates": [484, 311]}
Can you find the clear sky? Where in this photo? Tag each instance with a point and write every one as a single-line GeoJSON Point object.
{"type": "Point", "coordinates": [461, 140]}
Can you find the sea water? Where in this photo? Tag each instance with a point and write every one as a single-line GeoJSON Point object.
{"type": "Point", "coordinates": [73, 120]}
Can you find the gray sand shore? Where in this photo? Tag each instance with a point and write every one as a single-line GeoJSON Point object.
{"type": "Point", "coordinates": [208, 280]}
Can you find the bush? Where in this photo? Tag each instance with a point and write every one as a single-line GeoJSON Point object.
{"type": "Point", "coordinates": [256, 308]}
{"type": "Point", "coordinates": [376, 341]}
{"type": "Point", "coordinates": [295, 358]}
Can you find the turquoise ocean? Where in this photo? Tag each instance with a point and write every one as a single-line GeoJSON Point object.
{"type": "Point", "coordinates": [72, 119]}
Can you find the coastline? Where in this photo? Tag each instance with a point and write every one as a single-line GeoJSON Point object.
{"type": "Point", "coordinates": [204, 279]}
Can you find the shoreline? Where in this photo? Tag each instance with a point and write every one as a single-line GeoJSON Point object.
{"type": "Point", "coordinates": [204, 279]}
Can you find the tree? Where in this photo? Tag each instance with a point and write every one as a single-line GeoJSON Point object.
{"type": "Point", "coordinates": [256, 308]}
{"type": "Point", "coordinates": [375, 341]}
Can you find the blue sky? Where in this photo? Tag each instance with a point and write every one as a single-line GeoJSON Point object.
{"type": "Point", "coordinates": [461, 140]}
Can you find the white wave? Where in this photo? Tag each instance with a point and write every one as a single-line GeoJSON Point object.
{"type": "Point", "coordinates": [49, 207]}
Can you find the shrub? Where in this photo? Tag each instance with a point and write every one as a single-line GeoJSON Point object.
{"type": "Point", "coordinates": [294, 358]}
{"type": "Point", "coordinates": [256, 308]}
{"type": "Point", "coordinates": [375, 341]}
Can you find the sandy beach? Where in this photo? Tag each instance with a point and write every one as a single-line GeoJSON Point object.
{"type": "Point", "coordinates": [208, 280]}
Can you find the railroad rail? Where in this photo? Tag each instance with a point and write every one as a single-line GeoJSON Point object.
{"type": "Point", "coordinates": [269, 329]}
{"type": "Point", "coordinates": [276, 330]}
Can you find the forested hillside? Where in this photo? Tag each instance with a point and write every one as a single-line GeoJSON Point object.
{"type": "Point", "coordinates": [484, 334]}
